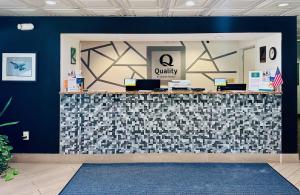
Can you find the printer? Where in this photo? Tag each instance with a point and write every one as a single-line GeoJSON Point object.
{"type": "Point", "coordinates": [179, 85]}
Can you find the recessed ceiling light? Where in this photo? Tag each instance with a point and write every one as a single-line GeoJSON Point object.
{"type": "Point", "coordinates": [51, 2]}
{"type": "Point", "coordinates": [283, 4]}
{"type": "Point", "coordinates": [189, 3]}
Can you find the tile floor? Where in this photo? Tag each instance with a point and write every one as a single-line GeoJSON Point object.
{"type": "Point", "coordinates": [37, 179]}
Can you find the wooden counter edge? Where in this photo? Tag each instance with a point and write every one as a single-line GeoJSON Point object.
{"type": "Point", "coordinates": [172, 92]}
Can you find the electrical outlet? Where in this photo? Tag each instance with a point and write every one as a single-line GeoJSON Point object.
{"type": "Point", "coordinates": [25, 135]}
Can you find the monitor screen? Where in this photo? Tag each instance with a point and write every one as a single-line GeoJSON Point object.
{"type": "Point", "coordinates": [147, 84]}
{"type": "Point", "coordinates": [220, 82]}
{"type": "Point", "coordinates": [130, 82]}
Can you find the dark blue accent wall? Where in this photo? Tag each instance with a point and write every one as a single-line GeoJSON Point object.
{"type": "Point", "coordinates": [36, 105]}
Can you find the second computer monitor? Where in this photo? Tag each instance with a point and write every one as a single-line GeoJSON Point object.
{"type": "Point", "coordinates": [147, 84]}
{"type": "Point", "coordinates": [220, 82]}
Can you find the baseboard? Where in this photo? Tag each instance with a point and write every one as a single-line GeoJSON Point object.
{"type": "Point", "coordinates": [289, 158]}
{"type": "Point", "coordinates": [165, 157]}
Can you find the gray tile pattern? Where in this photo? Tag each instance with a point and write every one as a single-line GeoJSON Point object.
{"type": "Point", "coordinates": [147, 123]}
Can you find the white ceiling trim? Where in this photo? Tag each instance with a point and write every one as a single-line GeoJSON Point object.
{"type": "Point", "coordinates": [170, 37]}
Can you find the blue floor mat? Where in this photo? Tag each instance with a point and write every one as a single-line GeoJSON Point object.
{"type": "Point", "coordinates": [178, 178]}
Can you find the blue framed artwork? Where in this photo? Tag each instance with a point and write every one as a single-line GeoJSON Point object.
{"type": "Point", "coordinates": [18, 67]}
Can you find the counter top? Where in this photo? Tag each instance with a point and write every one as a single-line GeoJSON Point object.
{"type": "Point", "coordinates": [171, 92]}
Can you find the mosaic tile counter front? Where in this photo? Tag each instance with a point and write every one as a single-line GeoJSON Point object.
{"type": "Point", "coordinates": [172, 123]}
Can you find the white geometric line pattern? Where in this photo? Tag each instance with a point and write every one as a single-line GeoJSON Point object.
{"type": "Point", "coordinates": [132, 67]}
{"type": "Point", "coordinates": [211, 59]}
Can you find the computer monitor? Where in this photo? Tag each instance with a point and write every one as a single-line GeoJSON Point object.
{"type": "Point", "coordinates": [232, 87]}
{"type": "Point", "coordinates": [147, 84]}
{"type": "Point", "coordinates": [130, 84]}
{"type": "Point", "coordinates": [220, 82]}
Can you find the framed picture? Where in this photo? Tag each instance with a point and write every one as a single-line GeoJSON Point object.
{"type": "Point", "coordinates": [73, 55]}
{"type": "Point", "coordinates": [263, 54]}
{"type": "Point", "coordinates": [18, 67]}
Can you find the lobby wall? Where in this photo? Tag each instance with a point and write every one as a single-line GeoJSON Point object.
{"type": "Point", "coordinates": [65, 51]}
{"type": "Point", "coordinates": [272, 41]}
{"type": "Point", "coordinates": [36, 104]}
{"type": "Point", "coordinates": [112, 69]}
{"type": "Point", "coordinates": [252, 56]}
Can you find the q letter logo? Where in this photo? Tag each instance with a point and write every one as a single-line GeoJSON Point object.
{"type": "Point", "coordinates": [166, 60]}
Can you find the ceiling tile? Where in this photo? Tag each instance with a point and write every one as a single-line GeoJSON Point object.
{"type": "Point", "coordinates": [274, 4]}
{"type": "Point", "coordinates": [184, 12]}
{"type": "Point", "coordinates": [93, 4]}
{"type": "Point", "coordinates": [6, 13]}
{"type": "Point", "coordinates": [105, 12]}
{"type": "Point", "coordinates": [60, 4]}
{"type": "Point", "coordinates": [133, 4]}
{"type": "Point", "coordinates": [295, 12]}
{"type": "Point", "coordinates": [235, 4]}
{"type": "Point", "coordinates": [27, 12]}
{"type": "Point", "coordinates": [198, 4]}
{"type": "Point", "coordinates": [11, 4]}
{"type": "Point", "coordinates": [224, 12]}
{"type": "Point", "coordinates": [35, 3]}
{"type": "Point", "coordinates": [146, 12]}
{"type": "Point", "coordinates": [263, 12]}
{"type": "Point", "coordinates": [65, 12]}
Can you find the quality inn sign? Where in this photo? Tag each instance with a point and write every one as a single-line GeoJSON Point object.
{"type": "Point", "coordinates": [166, 62]}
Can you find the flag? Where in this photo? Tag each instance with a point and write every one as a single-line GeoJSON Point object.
{"type": "Point", "coordinates": [277, 79]}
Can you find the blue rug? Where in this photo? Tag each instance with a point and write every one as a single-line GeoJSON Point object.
{"type": "Point", "coordinates": [178, 178]}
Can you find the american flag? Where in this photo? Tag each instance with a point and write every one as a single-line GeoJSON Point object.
{"type": "Point", "coordinates": [277, 79]}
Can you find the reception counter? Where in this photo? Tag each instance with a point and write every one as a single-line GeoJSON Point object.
{"type": "Point", "coordinates": [172, 122]}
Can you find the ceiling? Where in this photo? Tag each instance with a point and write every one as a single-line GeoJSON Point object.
{"type": "Point", "coordinates": [150, 8]}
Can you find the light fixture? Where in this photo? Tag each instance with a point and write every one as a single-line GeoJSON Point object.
{"type": "Point", "coordinates": [25, 26]}
{"type": "Point", "coordinates": [283, 4]}
{"type": "Point", "coordinates": [51, 2]}
{"type": "Point", "coordinates": [189, 3]}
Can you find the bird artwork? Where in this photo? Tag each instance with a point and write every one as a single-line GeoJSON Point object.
{"type": "Point", "coordinates": [18, 66]}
